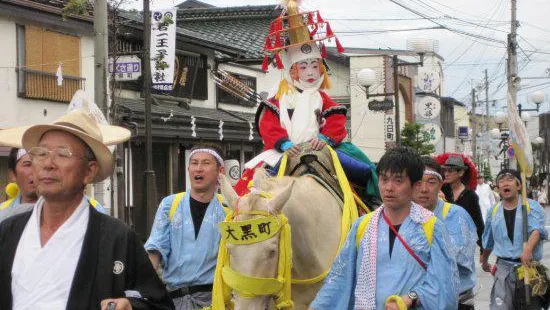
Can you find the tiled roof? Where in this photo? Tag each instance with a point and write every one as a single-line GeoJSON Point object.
{"type": "Point", "coordinates": [193, 4]}
{"type": "Point", "coordinates": [241, 28]}
{"type": "Point", "coordinates": [164, 109]}
{"type": "Point", "coordinates": [235, 126]}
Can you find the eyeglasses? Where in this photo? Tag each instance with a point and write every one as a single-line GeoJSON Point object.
{"type": "Point", "coordinates": [449, 170]}
{"type": "Point", "coordinates": [59, 155]}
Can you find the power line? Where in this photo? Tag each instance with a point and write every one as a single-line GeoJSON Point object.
{"type": "Point", "coordinates": [458, 31]}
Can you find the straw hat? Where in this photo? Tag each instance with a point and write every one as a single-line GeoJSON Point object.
{"type": "Point", "coordinates": [83, 126]}
{"type": "Point", "coordinates": [112, 135]}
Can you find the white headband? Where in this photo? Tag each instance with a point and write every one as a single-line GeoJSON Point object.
{"type": "Point", "coordinates": [20, 153]}
{"type": "Point", "coordinates": [209, 151]}
{"type": "Point", "coordinates": [434, 173]}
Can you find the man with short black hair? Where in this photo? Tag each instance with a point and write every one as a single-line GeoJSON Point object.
{"type": "Point", "coordinates": [20, 173]}
{"type": "Point", "coordinates": [185, 237]}
{"type": "Point", "coordinates": [504, 238]}
{"type": "Point", "coordinates": [397, 256]}
{"type": "Point", "coordinates": [459, 224]}
{"type": "Point", "coordinates": [64, 254]}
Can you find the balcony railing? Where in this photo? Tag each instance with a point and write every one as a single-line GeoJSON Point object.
{"type": "Point", "coordinates": [34, 84]}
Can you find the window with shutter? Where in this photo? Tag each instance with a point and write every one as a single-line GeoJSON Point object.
{"type": "Point", "coordinates": [40, 51]}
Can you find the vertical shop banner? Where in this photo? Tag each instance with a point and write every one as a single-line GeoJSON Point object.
{"type": "Point", "coordinates": [163, 48]}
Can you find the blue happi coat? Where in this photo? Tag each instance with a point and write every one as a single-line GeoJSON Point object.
{"type": "Point", "coordinates": [495, 236]}
{"type": "Point", "coordinates": [399, 273]}
{"type": "Point", "coordinates": [186, 261]}
{"type": "Point", "coordinates": [463, 234]}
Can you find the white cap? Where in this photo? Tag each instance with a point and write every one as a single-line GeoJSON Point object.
{"type": "Point", "coordinates": [299, 53]}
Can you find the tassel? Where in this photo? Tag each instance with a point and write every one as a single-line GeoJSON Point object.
{"type": "Point", "coordinates": [323, 50]}
{"type": "Point", "coordinates": [278, 61]}
{"type": "Point", "coordinates": [314, 31]}
{"type": "Point", "coordinates": [329, 31]}
{"type": "Point", "coordinates": [268, 45]}
{"type": "Point", "coordinates": [282, 90]}
{"type": "Point", "coordinates": [278, 43]}
{"type": "Point", "coordinates": [319, 18]}
{"type": "Point", "coordinates": [310, 18]}
{"type": "Point", "coordinates": [338, 45]}
{"type": "Point", "coordinates": [265, 63]}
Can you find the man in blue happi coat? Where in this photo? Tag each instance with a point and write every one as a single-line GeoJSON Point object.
{"type": "Point", "coordinates": [19, 172]}
{"type": "Point", "coordinates": [503, 237]}
{"type": "Point", "coordinates": [185, 238]}
{"type": "Point", "coordinates": [396, 257]}
{"type": "Point", "coordinates": [459, 224]}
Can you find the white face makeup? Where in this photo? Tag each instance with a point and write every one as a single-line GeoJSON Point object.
{"type": "Point", "coordinates": [308, 70]}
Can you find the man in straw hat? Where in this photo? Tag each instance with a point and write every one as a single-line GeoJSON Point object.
{"type": "Point", "coordinates": [185, 237]}
{"type": "Point", "coordinates": [459, 188]}
{"type": "Point", "coordinates": [458, 222]}
{"type": "Point", "coordinates": [396, 257]}
{"type": "Point", "coordinates": [23, 187]}
{"type": "Point", "coordinates": [64, 254]}
{"type": "Point", "coordinates": [504, 238]}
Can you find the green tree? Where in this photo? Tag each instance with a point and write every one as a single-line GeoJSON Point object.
{"type": "Point", "coordinates": [413, 135]}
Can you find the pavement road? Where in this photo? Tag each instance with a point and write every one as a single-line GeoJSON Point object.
{"type": "Point", "coordinates": [485, 280]}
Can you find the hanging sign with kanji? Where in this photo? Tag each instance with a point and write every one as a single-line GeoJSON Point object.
{"type": "Point", "coordinates": [389, 128]}
{"type": "Point", "coordinates": [434, 131]}
{"type": "Point", "coordinates": [428, 107]}
{"type": "Point", "coordinates": [163, 48]}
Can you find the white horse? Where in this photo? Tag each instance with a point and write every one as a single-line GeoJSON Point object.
{"type": "Point", "coordinates": [314, 215]}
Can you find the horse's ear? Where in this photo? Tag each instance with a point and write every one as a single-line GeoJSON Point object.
{"type": "Point", "coordinates": [260, 174]}
{"type": "Point", "coordinates": [228, 192]}
{"type": "Point", "coordinates": [278, 202]}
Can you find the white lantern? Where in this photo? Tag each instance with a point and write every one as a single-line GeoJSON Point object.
{"type": "Point", "coordinates": [537, 97]}
{"type": "Point", "coordinates": [500, 117]}
{"type": "Point", "coordinates": [495, 133]}
{"type": "Point", "coordinates": [366, 77]}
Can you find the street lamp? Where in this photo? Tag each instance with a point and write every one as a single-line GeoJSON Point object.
{"type": "Point", "coordinates": [537, 98]}
{"type": "Point", "coordinates": [367, 77]}
{"type": "Point", "coordinates": [500, 118]}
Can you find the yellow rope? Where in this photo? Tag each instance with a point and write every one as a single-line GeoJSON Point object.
{"type": "Point", "coordinates": [226, 280]}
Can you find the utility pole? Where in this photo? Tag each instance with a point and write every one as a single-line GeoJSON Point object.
{"type": "Point", "coordinates": [100, 76]}
{"type": "Point", "coordinates": [487, 146]}
{"type": "Point", "coordinates": [149, 174]}
{"type": "Point", "coordinates": [100, 55]}
{"type": "Point", "coordinates": [474, 126]}
{"type": "Point", "coordinates": [512, 61]}
{"type": "Point", "coordinates": [512, 56]}
{"type": "Point", "coordinates": [397, 122]}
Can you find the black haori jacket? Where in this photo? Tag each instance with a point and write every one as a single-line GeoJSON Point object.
{"type": "Point", "coordinates": [97, 276]}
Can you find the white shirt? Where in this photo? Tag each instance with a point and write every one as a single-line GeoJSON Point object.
{"type": "Point", "coordinates": [486, 198]}
{"type": "Point", "coordinates": [42, 276]}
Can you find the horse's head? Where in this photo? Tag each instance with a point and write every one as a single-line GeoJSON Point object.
{"type": "Point", "coordinates": [253, 241]}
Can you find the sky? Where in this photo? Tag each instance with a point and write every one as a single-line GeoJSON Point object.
{"type": "Point", "coordinates": [374, 24]}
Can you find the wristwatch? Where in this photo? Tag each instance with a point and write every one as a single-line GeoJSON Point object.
{"type": "Point", "coordinates": [414, 298]}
